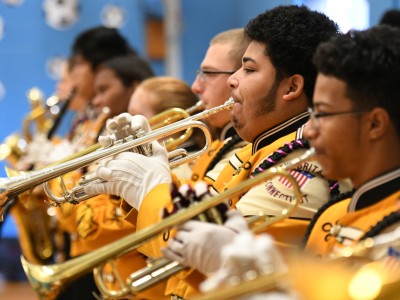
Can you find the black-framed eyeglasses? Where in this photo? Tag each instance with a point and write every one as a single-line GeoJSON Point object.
{"type": "Point", "coordinates": [316, 116]}
{"type": "Point", "coordinates": [204, 74]}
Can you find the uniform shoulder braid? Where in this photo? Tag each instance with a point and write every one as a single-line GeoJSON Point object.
{"type": "Point", "coordinates": [383, 224]}
{"type": "Point", "coordinates": [224, 149]}
{"type": "Point", "coordinates": [281, 153]}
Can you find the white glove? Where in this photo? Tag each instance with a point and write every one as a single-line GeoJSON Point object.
{"type": "Point", "coordinates": [131, 175]}
{"type": "Point", "coordinates": [247, 252]}
{"type": "Point", "coordinates": [198, 244]}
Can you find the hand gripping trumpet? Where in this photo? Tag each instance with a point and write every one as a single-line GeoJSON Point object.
{"type": "Point", "coordinates": [12, 187]}
{"type": "Point", "coordinates": [359, 271]}
{"type": "Point", "coordinates": [162, 119]}
{"type": "Point", "coordinates": [49, 280]}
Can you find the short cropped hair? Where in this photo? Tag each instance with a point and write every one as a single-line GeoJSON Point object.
{"type": "Point", "coordinates": [291, 35]}
{"type": "Point", "coordinates": [369, 63]}
{"type": "Point", "coordinates": [238, 41]}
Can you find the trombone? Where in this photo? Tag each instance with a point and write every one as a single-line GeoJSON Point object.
{"type": "Point", "coordinates": [49, 280]}
{"type": "Point", "coordinates": [12, 187]}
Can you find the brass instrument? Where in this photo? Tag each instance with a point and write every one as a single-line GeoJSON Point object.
{"type": "Point", "coordinates": [171, 116]}
{"type": "Point", "coordinates": [14, 146]}
{"type": "Point", "coordinates": [49, 280]}
{"type": "Point", "coordinates": [163, 268]}
{"type": "Point", "coordinates": [12, 149]}
{"type": "Point", "coordinates": [176, 157]}
{"type": "Point", "coordinates": [40, 239]}
{"type": "Point", "coordinates": [355, 272]}
{"type": "Point", "coordinates": [37, 114]}
{"type": "Point", "coordinates": [167, 117]}
{"type": "Point", "coordinates": [12, 187]}
{"type": "Point", "coordinates": [36, 228]}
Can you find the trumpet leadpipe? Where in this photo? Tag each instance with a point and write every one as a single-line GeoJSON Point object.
{"type": "Point", "coordinates": [198, 106]}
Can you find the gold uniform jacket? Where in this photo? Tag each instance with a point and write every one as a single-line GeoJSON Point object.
{"type": "Point", "coordinates": [346, 222]}
{"type": "Point", "coordinates": [269, 197]}
{"type": "Point", "coordinates": [229, 143]}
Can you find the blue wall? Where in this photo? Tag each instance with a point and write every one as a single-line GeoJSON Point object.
{"type": "Point", "coordinates": [28, 42]}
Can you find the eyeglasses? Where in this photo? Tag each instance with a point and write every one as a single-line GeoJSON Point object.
{"type": "Point", "coordinates": [204, 75]}
{"type": "Point", "coordinates": [316, 116]}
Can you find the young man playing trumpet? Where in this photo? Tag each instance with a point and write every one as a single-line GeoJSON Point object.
{"type": "Point", "coordinates": [271, 92]}
{"type": "Point", "coordinates": [355, 130]}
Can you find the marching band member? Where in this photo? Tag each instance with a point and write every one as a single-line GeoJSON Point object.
{"type": "Point", "coordinates": [367, 152]}
{"type": "Point", "coordinates": [354, 128]}
{"type": "Point", "coordinates": [99, 221]}
{"type": "Point", "coordinates": [90, 50]}
{"type": "Point", "coordinates": [271, 92]}
{"type": "Point", "coordinates": [223, 58]}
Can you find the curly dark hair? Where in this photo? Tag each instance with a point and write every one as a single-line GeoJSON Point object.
{"type": "Point", "coordinates": [369, 62]}
{"type": "Point", "coordinates": [391, 17]}
{"type": "Point", "coordinates": [291, 35]}
{"type": "Point", "coordinates": [99, 44]}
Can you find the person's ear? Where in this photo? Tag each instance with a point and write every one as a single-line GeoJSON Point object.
{"type": "Point", "coordinates": [378, 123]}
{"type": "Point", "coordinates": [295, 87]}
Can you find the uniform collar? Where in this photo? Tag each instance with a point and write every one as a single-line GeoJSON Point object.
{"type": "Point", "coordinates": [271, 135]}
{"type": "Point", "coordinates": [227, 131]}
{"type": "Point", "coordinates": [375, 190]}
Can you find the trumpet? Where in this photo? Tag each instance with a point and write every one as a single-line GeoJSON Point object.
{"type": "Point", "coordinates": [171, 116]}
{"type": "Point", "coordinates": [47, 280]}
{"type": "Point", "coordinates": [356, 271]}
{"type": "Point", "coordinates": [12, 187]}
